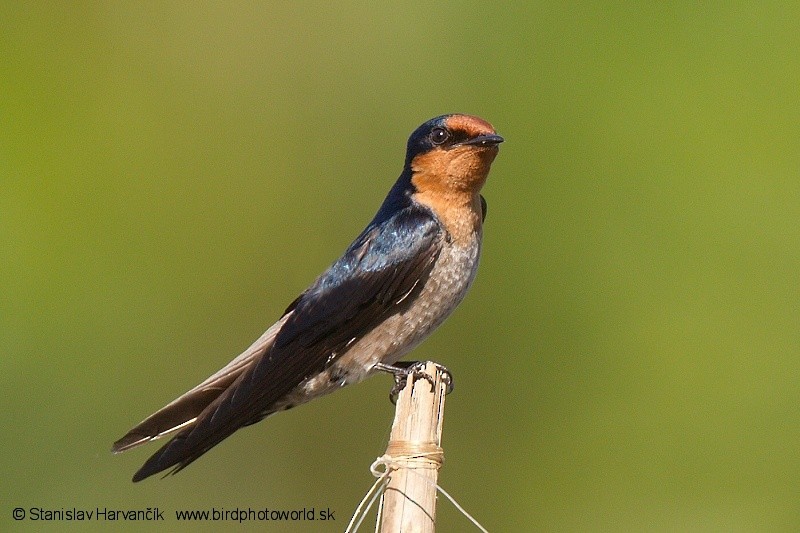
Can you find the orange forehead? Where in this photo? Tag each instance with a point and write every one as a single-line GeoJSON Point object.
{"type": "Point", "coordinates": [469, 124]}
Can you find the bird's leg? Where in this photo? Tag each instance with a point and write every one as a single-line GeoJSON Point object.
{"type": "Point", "coordinates": [402, 369]}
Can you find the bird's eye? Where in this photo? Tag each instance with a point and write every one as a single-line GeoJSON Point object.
{"type": "Point", "coordinates": [439, 135]}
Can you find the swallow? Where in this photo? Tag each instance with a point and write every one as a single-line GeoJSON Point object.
{"type": "Point", "coordinates": [396, 283]}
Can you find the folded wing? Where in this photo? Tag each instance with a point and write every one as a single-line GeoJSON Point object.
{"type": "Point", "coordinates": [380, 274]}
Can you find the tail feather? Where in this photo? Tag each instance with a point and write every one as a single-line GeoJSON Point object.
{"type": "Point", "coordinates": [170, 418]}
{"type": "Point", "coordinates": [183, 411]}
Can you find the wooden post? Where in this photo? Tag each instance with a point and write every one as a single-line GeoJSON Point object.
{"type": "Point", "coordinates": [414, 456]}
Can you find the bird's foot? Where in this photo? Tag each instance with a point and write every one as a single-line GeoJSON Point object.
{"type": "Point", "coordinates": [402, 369]}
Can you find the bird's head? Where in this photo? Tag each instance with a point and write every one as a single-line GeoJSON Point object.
{"type": "Point", "coordinates": [452, 153]}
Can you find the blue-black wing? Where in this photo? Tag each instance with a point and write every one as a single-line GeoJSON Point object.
{"type": "Point", "coordinates": [380, 274]}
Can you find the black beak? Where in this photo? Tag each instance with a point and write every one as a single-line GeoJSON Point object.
{"type": "Point", "coordinates": [485, 140]}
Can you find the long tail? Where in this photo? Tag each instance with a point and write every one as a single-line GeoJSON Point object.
{"type": "Point", "coordinates": [183, 411]}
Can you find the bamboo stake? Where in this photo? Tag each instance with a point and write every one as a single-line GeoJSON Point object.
{"type": "Point", "coordinates": [413, 456]}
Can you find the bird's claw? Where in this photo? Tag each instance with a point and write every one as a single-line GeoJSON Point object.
{"type": "Point", "coordinates": [402, 369]}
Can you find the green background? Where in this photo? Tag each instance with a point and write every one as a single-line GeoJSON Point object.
{"type": "Point", "coordinates": [172, 176]}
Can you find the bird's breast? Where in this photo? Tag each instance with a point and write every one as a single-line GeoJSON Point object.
{"type": "Point", "coordinates": [445, 287]}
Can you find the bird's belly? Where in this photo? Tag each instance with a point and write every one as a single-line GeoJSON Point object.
{"type": "Point", "coordinates": [446, 286]}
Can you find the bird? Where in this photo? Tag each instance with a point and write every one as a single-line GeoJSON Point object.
{"type": "Point", "coordinates": [396, 283]}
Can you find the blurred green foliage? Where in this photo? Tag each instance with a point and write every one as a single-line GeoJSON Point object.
{"type": "Point", "coordinates": [173, 175]}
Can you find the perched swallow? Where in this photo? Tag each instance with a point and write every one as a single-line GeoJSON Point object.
{"type": "Point", "coordinates": [396, 283]}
